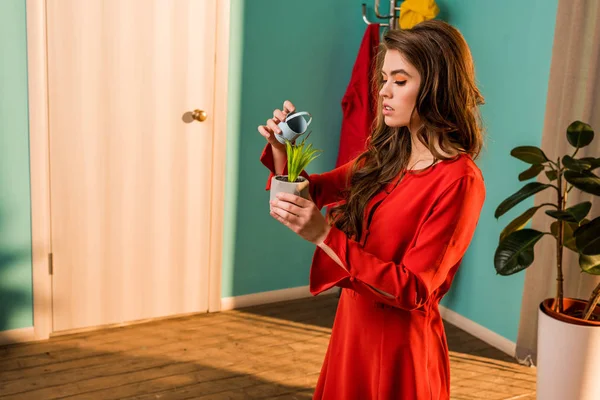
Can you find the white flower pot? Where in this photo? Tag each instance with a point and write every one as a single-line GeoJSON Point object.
{"type": "Point", "coordinates": [280, 184]}
{"type": "Point", "coordinates": [568, 360]}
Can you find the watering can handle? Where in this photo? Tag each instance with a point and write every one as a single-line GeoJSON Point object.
{"type": "Point", "coordinates": [294, 115]}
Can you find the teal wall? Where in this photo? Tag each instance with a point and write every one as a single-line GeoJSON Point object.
{"type": "Point", "coordinates": [511, 41]}
{"type": "Point", "coordinates": [303, 51]}
{"type": "Point", "coordinates": [16, 308]}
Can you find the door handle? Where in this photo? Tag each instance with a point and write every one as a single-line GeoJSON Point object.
{"type": "Point", "coordinates": [196, 115]}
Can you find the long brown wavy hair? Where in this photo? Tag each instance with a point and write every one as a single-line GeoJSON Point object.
{"type": "Point", "coordinates": [447, 104]}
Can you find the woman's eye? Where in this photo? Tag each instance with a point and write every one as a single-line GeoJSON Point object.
{"type": "Point", "coordinates": [400, 83]}
{"type": "Point", "coordinates": [383, 81]}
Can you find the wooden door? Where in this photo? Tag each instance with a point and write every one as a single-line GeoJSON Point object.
{"type": "Point", "coordinates": [130, 181]}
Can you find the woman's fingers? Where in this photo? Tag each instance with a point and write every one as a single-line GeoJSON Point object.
{"type": "Point", "coordinates": [273, 126]}
{"type": "Point", "coordinates": [270, 129]}
{"type": "Point", "coordinates": [265, 131]}
{"type": "Point", "coordinates": [279, 116]}
{"type": "Point", "coordinates": [297, 201]}
{"type": "Point", "coordinates": [289, 220]}
{"type": "Point", "coordinates": [305, 220]}
{"type": "Point", "coordinates": [288, 107]}
{"type": "Point", "coordinates": [287, 207]}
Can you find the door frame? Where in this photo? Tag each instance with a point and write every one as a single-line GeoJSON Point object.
{"type": "Point", "coordinates": [39, 159]}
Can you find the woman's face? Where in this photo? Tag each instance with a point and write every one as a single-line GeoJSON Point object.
{"type": "Point", "coordinates": [400, 88]}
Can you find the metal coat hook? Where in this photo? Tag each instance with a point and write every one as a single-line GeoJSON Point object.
{"type": "Point", "coordinates": [392, 24]}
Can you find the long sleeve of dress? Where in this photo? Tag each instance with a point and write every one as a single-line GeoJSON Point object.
{"type": "Point", "coordinates": [324, 188]}
{"type": "Point", "coordinates": [440, 244]}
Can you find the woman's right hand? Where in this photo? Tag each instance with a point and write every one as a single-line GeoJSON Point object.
{"type": "Point", "coordinates": [271, 129]}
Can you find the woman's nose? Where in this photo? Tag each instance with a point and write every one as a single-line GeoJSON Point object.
{"type": "Point", "coordinates": [384, 92]}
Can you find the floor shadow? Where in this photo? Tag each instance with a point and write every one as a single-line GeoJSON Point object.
{"type": "Point", "coordinates": [176, 360]}
{"type": "Point", "coordinates": [461, 342]}
{"type": "Point", "coordinates": [318, 311]}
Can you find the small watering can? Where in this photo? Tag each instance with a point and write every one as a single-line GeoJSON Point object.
{"type": "Point", "coordinates": [293, 127]}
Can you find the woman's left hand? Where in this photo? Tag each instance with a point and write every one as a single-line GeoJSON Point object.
{"type": "Point", "coordinates": [301, 216]}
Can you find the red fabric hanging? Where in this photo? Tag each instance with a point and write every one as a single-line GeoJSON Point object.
{"type": "Point", "coordinates": [359, 102]}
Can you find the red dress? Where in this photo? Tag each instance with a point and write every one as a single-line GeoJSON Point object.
{"type": "Point", "coordinates": [388, 340]}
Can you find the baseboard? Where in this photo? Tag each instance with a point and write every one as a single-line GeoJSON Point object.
{"type": "Point", "coordinates": [255, 299]}
{"type": "Point", "coordinates": [479, 331]}
{"type": "Point", "coordinates": [17, 336]}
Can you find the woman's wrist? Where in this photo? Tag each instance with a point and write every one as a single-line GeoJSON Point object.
{"type": "Point", "coordinates": [321, 239]}
{"type": "Point", "coordinates": [279, 158]}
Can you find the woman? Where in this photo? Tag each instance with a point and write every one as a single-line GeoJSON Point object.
{"type": "Point", "coordinates": [404, 214]}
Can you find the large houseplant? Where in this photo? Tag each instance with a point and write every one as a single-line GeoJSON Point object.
{"type": "Point", "coordinates": [299, 155]}
{"type": "Point", "coordinates": [565, 326]}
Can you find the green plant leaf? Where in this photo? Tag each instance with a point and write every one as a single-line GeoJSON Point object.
{"type": "Point", "coordinates": [579, 134]}
{"type": "Point", "coordinates": [299, 156]}
{"type": "Point", "coordinates": [572, 214]}
{"type": "Point", "coordinates": [529, 154]}
{"type": "Point", "coordinates": [575, 164]}
{"type": "Point", "coordinates": [526, 191]}
{"type": "Point", "coordinates": [586, 181]}
{"type": "Point", "coordinates": [532, 172]}
{"type": "Point", "coordinates": [289, 148]}
{"type": "Point", "coordinates": [551, 175]}
{"type": "Point", "coordinates": [590, 264]}
{"type": "Point", "coordinates": [519, 222]}
{"type": "Point", "coordinates": [515, 252]}
{"type": "Point", "coordinates": [580, 211]}
{"type": "Point", "coordinates": [587, 237]}
{"type": "Point", "coordinates": [594, 162]}
{"type": "Point", "coordinates": [568, 238]}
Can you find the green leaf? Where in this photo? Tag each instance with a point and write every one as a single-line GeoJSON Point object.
{"type": "Point", "coordinates": [579, 134]}
{"type": "Point", "coordinates": [532, 172]}
{"type": "Point", "coordinates": [594, 162]}
{"type": "Point", "coordinates": [580, 211]}
{"type": "Point", "coordinates": [590, 264]}
{"type": "Point", "coordinates": [572, 214]}
{"type": "Point", "coordinates": [289, 148]}
{"type": "Point", "coordinates": [587, 237]}
{"type": "Point", "coordinates": [586, 181]}
{"type": "Point", "coordinates": [515, 253]}
{"type": "Point", "coordinates": [519, 222]}
{"type": "Point", "coordinates": [568, 238]}
{"type": "Point", "coordinates": [576, 164]}
{"type": "Point", "coordinates": [299, 156]}
{"type": "Point", "coordinates": [526, 191]}
{"type": "Point", "coordinates": [529, 154]}
{"type": "Point", "coordinates": [551, 175]}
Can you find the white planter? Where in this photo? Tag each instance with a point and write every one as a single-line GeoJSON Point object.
{"type": "Point", "coordinates": [298, 188]}
{"type": "Point", "coordinates": [568, 360]}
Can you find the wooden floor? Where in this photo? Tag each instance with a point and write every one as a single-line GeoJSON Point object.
{"type": "Point", "coordinates": [268, 352]}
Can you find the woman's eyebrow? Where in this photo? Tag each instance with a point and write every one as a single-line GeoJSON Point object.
{"type": "Point", "coordinates": [398, 71]}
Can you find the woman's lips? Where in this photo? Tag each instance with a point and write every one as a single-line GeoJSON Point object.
{"type": "Point", "coordinates": [387, 110]}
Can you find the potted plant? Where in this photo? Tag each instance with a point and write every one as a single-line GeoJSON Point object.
{"type": "Point", "coordinates": [298, 158]}
{"type": "Point", "coordinates": [568, 329]}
